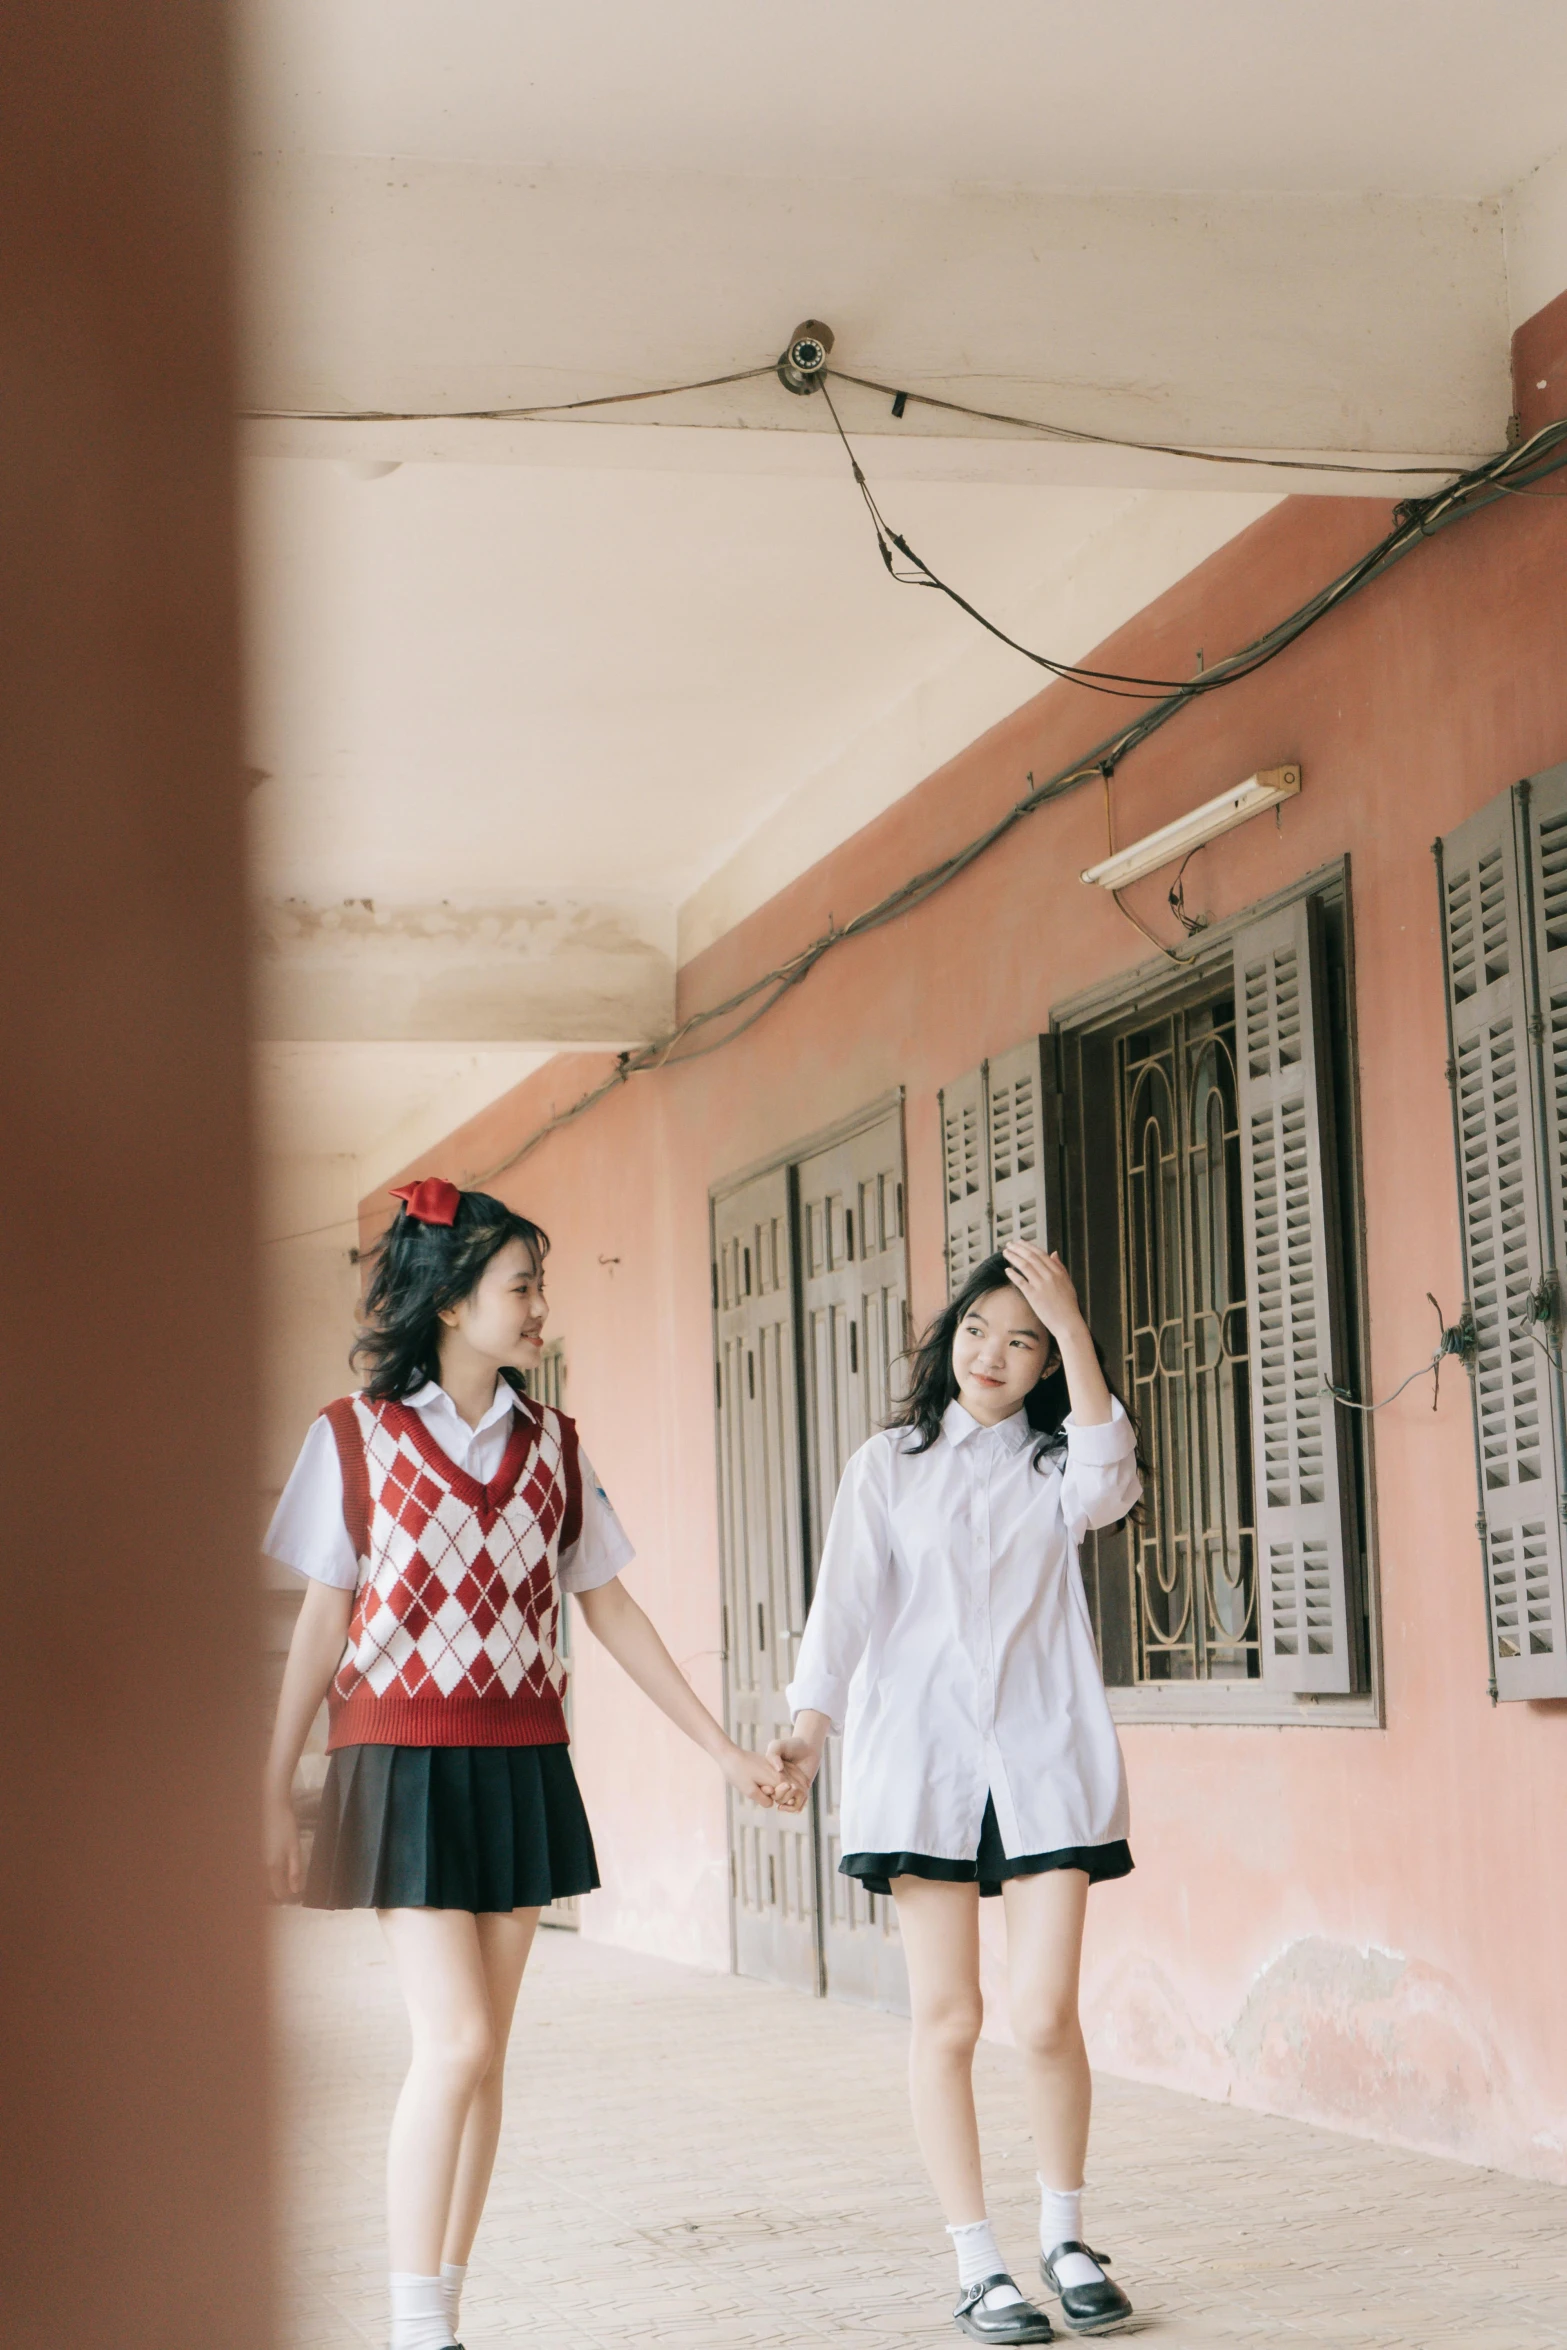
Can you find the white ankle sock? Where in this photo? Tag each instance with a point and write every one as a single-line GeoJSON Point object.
{"type": "Point", "coordinates": [1061, 2222]}
{"type": "Point", "coordinates": [418, 2313]}
{"type": "Point", "coordinates": [979, 2256]}
{"type": "Point", "coordinates": [453, 2279]}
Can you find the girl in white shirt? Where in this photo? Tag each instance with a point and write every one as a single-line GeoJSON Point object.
{"type": "Point", "coordinates": [949, 1639]}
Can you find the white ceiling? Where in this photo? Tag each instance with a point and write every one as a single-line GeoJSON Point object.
{"type": "Point", "coordinates": [532, 681]}
{"type": "Point", "coordinates": [1431, 97]}
{"type": "Point", "coordinates": [376, 1105]}
{"type": "Point", "coordinates": [495, 684]}
{"type": "Point", "coordinates": [597, 680]}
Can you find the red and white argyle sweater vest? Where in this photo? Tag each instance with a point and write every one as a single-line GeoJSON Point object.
{"type": "Point", "coordinates": [455, 1635]}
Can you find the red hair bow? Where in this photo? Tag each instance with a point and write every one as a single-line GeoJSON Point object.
{"type": "Point", "coordinates": [432, 1201]}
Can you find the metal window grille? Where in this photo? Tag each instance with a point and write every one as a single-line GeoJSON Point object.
{"type": "Point", "coordinates": [1193, 1598]}
{"type": "Point", "coordinates": [1200, 1181]}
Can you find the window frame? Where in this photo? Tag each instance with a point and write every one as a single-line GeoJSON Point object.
{"type": "Point", "coordinates": [1154, 987]}
{"type": "Point", "coordinates": [1521, 999]}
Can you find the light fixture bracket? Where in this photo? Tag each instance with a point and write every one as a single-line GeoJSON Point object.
{"type": "Point", "coordinates": [1268, 788]}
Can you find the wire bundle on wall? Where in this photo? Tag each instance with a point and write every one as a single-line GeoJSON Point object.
{"type": "Point", "coordinates": [1416, 520]}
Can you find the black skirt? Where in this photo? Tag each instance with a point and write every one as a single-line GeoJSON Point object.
{"type": "Point", "coordinates": [450, 1827]}
{"type": "Point", "coordinates": [990, 1866]}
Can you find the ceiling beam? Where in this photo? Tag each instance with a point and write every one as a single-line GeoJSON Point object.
{"type": "Point", "coordinates": [794, 452]}
{"type": "Point", "coordinates": [546, 973]}
{"type": "Point", "coordinates": [1355, 325]}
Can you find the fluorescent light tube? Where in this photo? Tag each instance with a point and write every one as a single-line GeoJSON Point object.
{"type": "Point", "coordinates": [1263, 790]}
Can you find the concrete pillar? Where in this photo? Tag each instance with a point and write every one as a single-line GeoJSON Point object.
{"type": "Point", "coordinates": [133, 2174]}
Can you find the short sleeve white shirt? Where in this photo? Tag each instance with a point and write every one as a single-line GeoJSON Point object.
{"type": "Point", "coordinates": [949, 1638]}
{"type": "Point", "coordinates": [308, 1532]}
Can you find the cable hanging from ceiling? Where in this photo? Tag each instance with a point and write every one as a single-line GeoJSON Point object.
{"type": "Point", "coordinates": [803, 368]}
{"type": "Point", "coordinates": [1543, 454]}
{"type": "Point", "coordinates": [1512, 472]}
{"type": "Point", "coordinates": [539, 412]}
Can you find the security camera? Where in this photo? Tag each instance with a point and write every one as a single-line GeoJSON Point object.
{"type": "Point", "coordinates": [803, 361]}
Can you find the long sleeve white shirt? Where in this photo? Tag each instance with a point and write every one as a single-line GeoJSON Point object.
{"type": "Point", "coordinates": [949, 1639]}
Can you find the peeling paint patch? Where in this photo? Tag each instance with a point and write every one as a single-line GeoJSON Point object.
{"type": "Point", "coordinates": [1137, 2022]}
{"type": "Point", "coordinates": [1360, 2039]}
{"type": "Point", "coordinates": [1373, 2039]}
{"type": "Point", "coordinates": [551, 970]}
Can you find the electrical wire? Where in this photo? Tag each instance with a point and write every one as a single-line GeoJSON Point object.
{"type": "Point", "coordinates": [1105, 440]}
{"type": "Point", "coordinates": [1176, 901]}
{"type": "Point", "coordinates": [1117, 684]}
{"type": "Point", "coordinates": [1416, 520]}
{"type": "Point", "coordinates": [1339, 1396]}
{"type": "Point", "coordinates": [1070, 434]}
{"type": "Point", "coordinates": [1107, 681]}
{"type": "Point", "coordinates": [1455, 1338]}
{"type": "Point", "coordinates": [706, 383]}
{"type": "Point", "coordinates": [1543, 453]}
{"type": "Point", "coordinates": [1170, 954]}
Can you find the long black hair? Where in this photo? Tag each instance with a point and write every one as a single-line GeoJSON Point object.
{"type": "Point", "coordinates": [420, 1270]}
{"type": "Point", "coordinates": [932, 1386]}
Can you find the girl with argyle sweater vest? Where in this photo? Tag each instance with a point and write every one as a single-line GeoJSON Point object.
{"type": "Point", "coordinates": [438, 1516]}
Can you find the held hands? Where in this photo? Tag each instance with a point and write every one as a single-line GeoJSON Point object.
{"type": "Point", "coordinates": [1047, 1285]}
{"type": "Point", "coordinates": [755, 1777]}
{"type": "Point", "coordinates": [799, 1758]}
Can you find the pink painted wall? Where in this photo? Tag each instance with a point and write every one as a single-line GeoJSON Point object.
{"type": "Point", "coordinates": [1364, 1926]}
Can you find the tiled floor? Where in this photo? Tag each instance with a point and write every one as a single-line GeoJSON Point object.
{"type": "Point", "coordinates": [692, 2160]}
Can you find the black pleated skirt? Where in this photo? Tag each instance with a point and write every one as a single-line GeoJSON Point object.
{"type": "Point", "coordinates": [990, 1866]}
{"type": "Point", "coordinates": [450, 1827]}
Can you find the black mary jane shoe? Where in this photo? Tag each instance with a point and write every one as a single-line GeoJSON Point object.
{"type": "Point", "coordinates": [1020, 2321]}
{"type": "Point", "coordinates": [1086, 2309]}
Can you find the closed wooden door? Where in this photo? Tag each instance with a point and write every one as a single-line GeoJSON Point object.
{"type": "Point", "coordinates": [772, 1856]}
{"type": "Point", "coordinates": [854, 1313]}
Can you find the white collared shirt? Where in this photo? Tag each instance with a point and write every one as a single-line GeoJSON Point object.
{"type": "Point", "coordinates": [949, 1638]}
{"type": "Point", "coordinates": [308, 1534]}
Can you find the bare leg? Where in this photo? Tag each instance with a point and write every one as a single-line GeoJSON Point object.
{"type": "Point", "coordinates": [939, 1924]}
{"type": "Point", "coordinates": [436, 1957]}
{"type": "Point", "coordinates": [1044, 1953]}
{"type": "Point", "coordinates": [504, 1943]}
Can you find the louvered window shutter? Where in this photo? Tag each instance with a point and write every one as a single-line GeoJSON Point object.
{"type": "Point", "coordinates": [1294, 1303]}
{"type": "Point", "coordinates": [965, 1176]}
{"type": "Point", "coordinates": [1491, 989]}
{"type": "Point", "coordinates": [1015, 1101]}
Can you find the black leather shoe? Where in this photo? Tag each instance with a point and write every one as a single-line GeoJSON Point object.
{"type": "Point", "coordinates": [1020, 2321]}
{"type": "Point", "coordinates": [1086, 2309]}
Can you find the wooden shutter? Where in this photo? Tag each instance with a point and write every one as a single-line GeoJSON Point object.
{"type": "Point", "coordinates": [1015, 1128]}
{"type": "Point", "coordinates": [965, 1176]}
{"type": "Point", "coordinates": [1293, 1300]}
{"type": "Point", "coordinates": [1487, 903]}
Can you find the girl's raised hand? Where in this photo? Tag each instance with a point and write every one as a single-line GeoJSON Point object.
{"type": "Point", "coordinates": [1046, 1284]}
